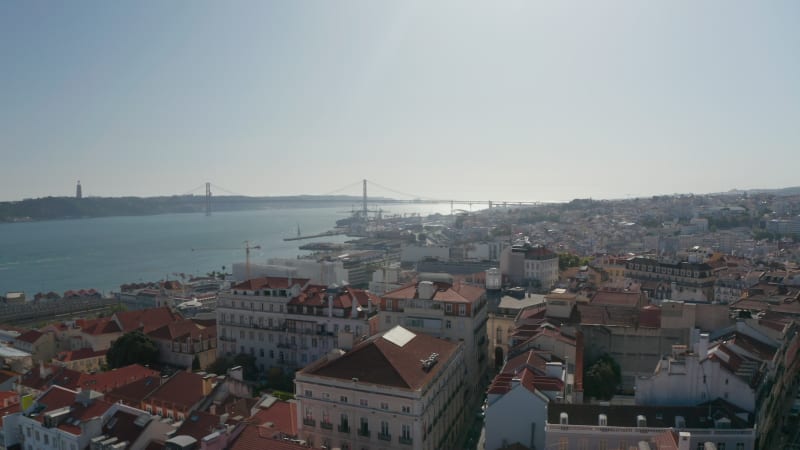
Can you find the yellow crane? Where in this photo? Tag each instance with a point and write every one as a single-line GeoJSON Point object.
{"type": "Point", "coordinates": [247, 247]}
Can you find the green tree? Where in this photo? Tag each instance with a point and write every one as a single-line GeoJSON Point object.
{"type": "Point", "coordinates": [132, 348]}
{"type": "Point", "coordinates": [224, 363]}
{"type": "Point", "coordinates": [601, 379]}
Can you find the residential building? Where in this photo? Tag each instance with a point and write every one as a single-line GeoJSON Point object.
{"type": "Point", "coordinates": [41, 346]}
{"type": "Point", "coordinates": [517, 399]}
{"type": "Point", "coordinates": [691, 378]}
{"type": "Point", "coordinates": [501, 323]}
{"type": "Point", "coordinates": [289, 323]}
{"type": "Point", "coordinates": [65, 419]}
{"type": "Point", "coordinates": [525, 263]}
{"type": "Point", "coordinates": [679, 280]}
{"type": "Point", "coordinates": [440, 308]}
{"type": "Point", "coordinates": [186, 343]}
{"type": "Point", "coordinates": [587, 427]}
{"type": "Point", "coordinates": [82, 360]}
{"type": "Point", "coordinates": [396, 390]}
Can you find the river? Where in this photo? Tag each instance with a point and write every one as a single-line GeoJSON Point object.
{"type": "Point", "coordinates": [102, 253]}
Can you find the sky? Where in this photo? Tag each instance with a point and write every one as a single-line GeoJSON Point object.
{"type": "Point", "coordinates": [503, 101]}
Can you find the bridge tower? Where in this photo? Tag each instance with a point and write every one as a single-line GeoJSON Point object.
{"type": "Point", "coordinates": [365, 199]}
{"type": "Point", "coordinates": [208, 199]}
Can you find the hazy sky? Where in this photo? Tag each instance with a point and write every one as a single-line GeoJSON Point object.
{"type": "Point", "coordinates": [498, 100]}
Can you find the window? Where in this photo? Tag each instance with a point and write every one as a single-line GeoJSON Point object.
{"type": "Point", "coordinates": [406, 409]}
{"type": "Point", "coordinates": [388, 305]}
{"type": "Point", "coordinates": [448, 324]}
{"type": "Point", "coordinates": [740, 446]}
{"type": "Point", "coordinates": [384, 405]}
{"type": "Point", "coordinates": [448, 307]}
{"type": "Point", "coordinates": [720, 446]}
{"type": "Point", "coordinates": [363, 402]}
{"type": "Point", "coordinates": [462, 310]}
{"type": "Point", "coordinates": [405, 432]}
{"type": "Point", "coordinates": [308, 393]}
{"type": "Point", "coordinates": [343, 399]}
{"type": "Point", "coordinates": [384, 428]}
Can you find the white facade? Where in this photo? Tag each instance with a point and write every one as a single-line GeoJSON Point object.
{"type": "Point", "coordinates": [516, 416]}
{"type": "Point", "coordinates": [259, 320]}
{"type": "Point", "coordinates": [417, 308]}
{"type": "Point", "coordinates": [690, 379]}
{"type": "Point", "coordinates": [353, 414]}
{"type": "Point", "coordinates": [416, 253]}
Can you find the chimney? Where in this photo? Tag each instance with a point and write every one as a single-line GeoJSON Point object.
{"type": "Point", "coordinates": [44, 372]}
{"type": "Point", "coordinates": [208, 384]}
{"type": "Point", "coordinates": [702, 346]}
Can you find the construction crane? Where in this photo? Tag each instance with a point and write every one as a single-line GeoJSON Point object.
{"type": "Point", "coordinates": [247, 247]}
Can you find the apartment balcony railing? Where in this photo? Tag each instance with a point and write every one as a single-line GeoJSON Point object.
{"type": "Point", "coordinates": [385, 436]}
{"type": "Point", "coordinates": [310, 422]}
{"type": "Point", "coordinates": [326, 425]}
{"type": "Point", "coordinates": [363, 432]}
{"type": "Point", "coordinates": [344, 428]}
{"type": "Point", "coordinates": [405, 440]}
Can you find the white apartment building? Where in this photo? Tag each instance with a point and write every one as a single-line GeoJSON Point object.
{"type": "Point", "coordinates": [397, 390]}
{"type": "Point", "coordinates": [288, 322]}
{"type": "Point", "coordinates": [63, 419]}
{"type": "Point", "coordinates": [455, 312]}
{"type": "Point", "coordinates": [692, 378]}
{"type": "Point", "coordinates": [598, 427]}
{"type": "Point", "coordinates": [525, 262]}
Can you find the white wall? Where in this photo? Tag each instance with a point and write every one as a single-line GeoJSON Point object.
{"type": "Point", "coordinates": [512, 416]}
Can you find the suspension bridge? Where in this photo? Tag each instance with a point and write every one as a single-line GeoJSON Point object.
{"type": "Point", "coordinates": [364, 184]}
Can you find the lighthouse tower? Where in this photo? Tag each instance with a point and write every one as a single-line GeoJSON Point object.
{"type": "Point", "coordinates": [78, 193]}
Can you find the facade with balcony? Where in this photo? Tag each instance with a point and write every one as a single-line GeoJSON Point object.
{"type": "Point", "coordinates": [454, 312]}
{"type": "Point", "coordinates": [381, 394]}
{"type": "Point", "coordinates": [289, 323]}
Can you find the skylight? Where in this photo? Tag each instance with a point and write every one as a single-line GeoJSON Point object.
{"type": "Point", "coordinates": [399, 336]}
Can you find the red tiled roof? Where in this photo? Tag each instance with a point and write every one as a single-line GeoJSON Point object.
{"type": "Point", "coordinates": [184, 390]}
{"type": "Point", "coordinates": [83, 353]}
{"type": "Point", "coordinates": [282, 415]}
{"type": "Point", "coordinates": [183, 329]}
{"type": "Point", "coordinates": [344, 298]}
{"type": "Point", "coordinates": [146, 320]}
{"type": "Point", "coordinates": [617, 298]}
{"type": "Point", "coordinates": [255, 284]}
{"type": "Point", "coordinates": [445, 292]}
{"type": "Point", "coordinates": [105, 381]}
{"type": "Point", "coordinates": [199, 425]}
{"type": "Point", "coordinates": [132, 394]}
{"type": "Point", "coordinates": [379, 361]}
{"type": "Point", "coordinates": [98, 326]}
{"type": "Point", "coordinates": [30, 336]}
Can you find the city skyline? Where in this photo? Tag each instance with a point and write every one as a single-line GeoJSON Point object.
{"type": "Point", "coordinates": [520, 102]}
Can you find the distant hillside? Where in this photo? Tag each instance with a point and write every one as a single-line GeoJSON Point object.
{"type": "Point", "coordinates": [51, 208]}
{"type": "Point", "coordinates": [780, 192]}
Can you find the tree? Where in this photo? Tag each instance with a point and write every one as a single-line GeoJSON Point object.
{"type": "Point", "coordinates": [224, 363]}
{"type": "Point", "coordinates": [132, 348]}
{"type": "Point", "coordinates": [601, 379]}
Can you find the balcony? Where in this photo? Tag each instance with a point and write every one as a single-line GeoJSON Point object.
{"type": "Point", "coordinates": [343, 428]}
{"type": "Point", "coordinates": [385, 437]}
{"type": "Point", "coordinates": [309, 422]}
{"type": "Point", "coordinates": [326, 425]}
{"type": "Point", "coordinates": [405, 440]}
{"type": "Point", "coordinates": [227, 339]}
{"type": "Point", "coordinates": [363, 432]}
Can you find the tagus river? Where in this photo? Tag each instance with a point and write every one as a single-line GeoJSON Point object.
{"type": "Point", "coordinates": [102, 253]}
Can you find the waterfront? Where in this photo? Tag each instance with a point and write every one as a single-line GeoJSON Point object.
{"type": "Point", "coordinates": [103, 253]}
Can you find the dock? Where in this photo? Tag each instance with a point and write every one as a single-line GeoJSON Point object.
{"type": "Point", "coordinates": [312, 236]}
